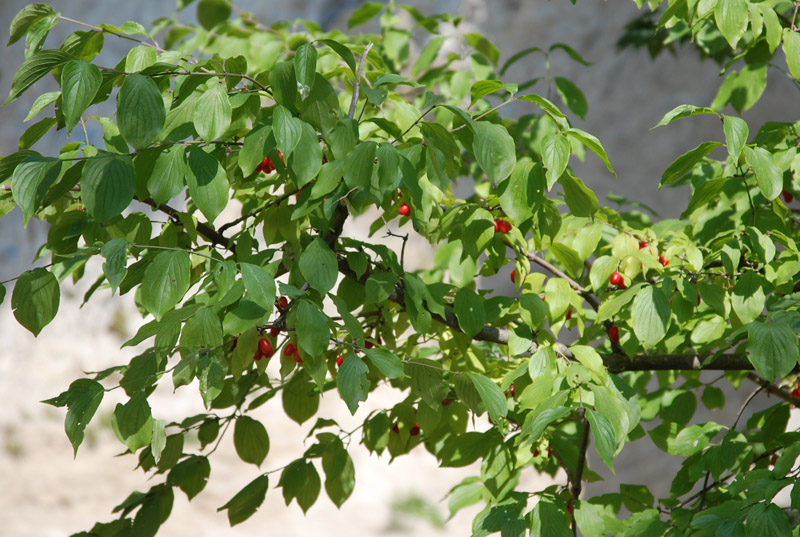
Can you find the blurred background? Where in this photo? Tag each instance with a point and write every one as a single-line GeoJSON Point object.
{"type": "Point", "coordinates": [45, 492]}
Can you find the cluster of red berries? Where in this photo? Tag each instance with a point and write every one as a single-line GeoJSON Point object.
{"type": "Point", "coordinates": [291, 350]}
{"type": "Point", "coordinates": [267, 166]}
{"type": "Point", "coordinates": [264, 349]}
{"type": "Point", "coordinates": [501, 226]}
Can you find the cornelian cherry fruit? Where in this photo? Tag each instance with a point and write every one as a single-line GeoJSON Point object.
{"type": "Point", "coordinates": [283, 302]}
{"type": "Point", "coordinates": [613, 333]}
{"type": "Point", "coordinates": [663, 260]}
{"type": "Point", "coordinates": [265, 347]}
{"type": "Point", "coordinates": [339, 361]}
{"type": "Point", "coordinates": [617, 279]}
{"type": "Point", "coordinates": [404, 210]}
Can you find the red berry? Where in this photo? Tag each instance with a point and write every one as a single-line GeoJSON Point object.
{"type": "Point", "coordinates": [368, 344]}
{"type": "Point", "coordinates": [502, 226]}
{"type": "Point", "coordinates": [446, 402]}
{"type": "Point", "coordinates": [543, 297]}
{"type": "Point", "coordinates": [642, 245]}
{"type": "Point", "coordinates": [663, 260]}
{"type": "Point", "coordinates": [339, 361]}
{"type": "Point", "coordinates": [266, 166]}
{"type": "Point", "coordinates": [796, 392]}
{"type": "Point", "coordinates": [698, 298]}
{"type": "Point", "coordinates": [514, 276]}
{"type": "Point", "coordinates": [617, 279]}
{"type": "Point", "coordinates": [235, 342]}
{"type": "Point", "coordinates": [535, 452]}
{"type": "Point", "coordinates": [265, 347]}
{"type": "Point", "coordinates": [414, 431]}
{"type": "Point", "coordinates": [787, 196]}
{"type": "Point", "coordinates": [613, 333]}
{"type": "Point", "coordinates": [283, 302]}
{"type": "Point", "coordinates": [569, 508]}
{"type": "Point", "coordinates": [289, 349]}
{"type": "Point", "coordinates": [257, 356]}
{"type": "Point", "coordinates": [511, 390]}
{"type": "Point", "coordinates": [404, 210]}
{"type": "Point", "coordinates": [399, 193]}
{"type": "Point", "coordinates": [274, 332]}
{"type": "Point", "coordinates": [569, 314]}
{"type": "Point", "coordinates": [395, 429]}
{"type": "Point", "coordinates": [773, 460]}
{"type": "Point", "coordinates": [297, 356]}
{"type": "Point", "coordinates": [549, 452]}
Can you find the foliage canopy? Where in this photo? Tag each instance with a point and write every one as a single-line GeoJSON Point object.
{"type": "Point", "coordinates": [297, 130]}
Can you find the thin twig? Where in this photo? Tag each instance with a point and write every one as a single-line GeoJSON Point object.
{"type": "Point", "coordinates": [744, 405]}
{"type": "Point", "coordinates": [357, 83]}
{"type": "Point", "coordinates": [106, 31]}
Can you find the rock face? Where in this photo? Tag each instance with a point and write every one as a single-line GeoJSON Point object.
{"type": "Point", "coordinates": [627, 95]}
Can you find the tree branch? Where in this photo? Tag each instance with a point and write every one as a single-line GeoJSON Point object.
{"type": "Point", "coordinates": [204, 229]}
{"type": "Point", "coordinates": [357, 83]}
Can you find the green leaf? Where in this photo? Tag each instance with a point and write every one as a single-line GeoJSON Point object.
{"type": "Point", "coordinates": [547, 520]}
{"type": "Point", "coordinates": [523, 191]}
{"type": "Point", "coordinates": [571, 52]}
{"type": "Point", "coordinates": [358, 165]}
{"type": "Point", "coordinates": [165, 282]}
{"type": "Point", "coordinates": [339, 477]}
{"type": "Point", "coordinates": [34, 68]}
{"type": "Point", "coordinates": [580, 199]}
{"type": "Point", "coordinates": [167, 179]}
{"type": "Point", "coordinates": [212, 116]}
{"type": "Point", "coordinates": [305, 67]}
{"type": "Point", "coordinates": [260, 285]}
{"type": "Point", "coordinates": [115, 252]}
{"type": "Point", "coordinates": [82, 400]}
{"type": "Point", "coordinates": [768, 175]}
{"type": "Point", "coordinates": [287, 130]}
{"type": "Point", "coordinates": [300, 398]}
{"type": "Point", "coordinates": [390, 174]}
{"type": "Point", "coordinates": [343, 52]}
{"type": "Point", "coordinates": [772, 348]}
{"type": "Point", "coordinates": [35, 299]}
{"type": "Point", "coordinates": [650, 315]}
{"type": "Point", "coordinates": [25, 19]}
{"type": "Point", "coordinates": [140, 110]}
{"type": "Point", "coordinates": [108, 184]}
{"type": "Point", "coordinates": [352, 382]}
{"type": "Point", "coordinates": [190, 475]}
{"type": "Point", "coordinates": [284, 86]}
{"type": "Point", "coordinates": [140, 58]}
{"type": "Point", "coordinates": [247, 501]}
{"type": "Point", "coordinates": [79, 84]}
{"type": "Point", "coordinates": [686, 162]}
{"type": "Point", "coordinates": [364, 14]}
{"type": "Point", "coordinates": [592, 143]}
{"type": "Point", "coordinates": [379, 287]}
{"type": "Point", "coordinates": [306, 159]}
{"type": "Point", "coordinates": [555, 155]}
{"type": "Point", "coordinates": [318, 266]}
{"type": "Point", "coordinates": [427, 381]}
{"type": "Point", "coordinates": [748, 297]}
{"type": "Point", "coordinates": [31, 180]}
{"type": "Point", "coordinates": [386, 361]}
{"type": "Point", "coordinates": [482, 88]}
{"type": "Point", "coordinates": [42, 101]}
{"type": "Point", "coordinates": [491, 396]}
{"type": "Point", "coordinates": [736, 133]}
{"type": "Point", "coordinates": [604, 436]}
{"type": "Point", "coordinates": [428, 55]}
{"type": "Point", "coordinates": [483, 46]}
{"type": "Point", "coordinates": [768, 520]}
{"type": "Point", "coordinates": [210, 13]}
{"type": "Point", "coordinates": [731, 18]}
{"type": "Point", "coordinates": [494, 149]}
{"type": "Point", "coordinates": [682, 111]}
{"type": "Point", "coordinates": [133, 422]}
{"type": "Point", "coordinates": [312, 329]}
{"type": "Point", "coordinates": [469, 311]}
{"type": "Point", "coordinates": [572, 96]}
{"type": "Point", "coordinates": [208, 183]}
{"type": "Point", "coordinates": [250, 440]}
{"type": "Point", "coordinates": [791, 49]}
